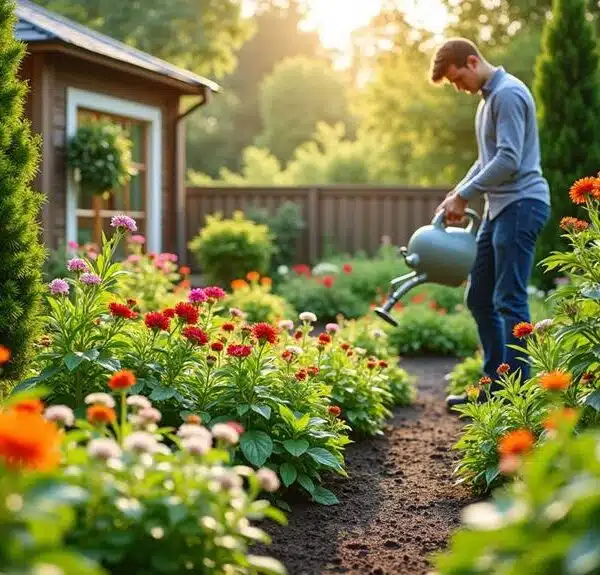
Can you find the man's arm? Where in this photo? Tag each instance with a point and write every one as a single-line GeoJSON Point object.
{"type": "Point", "coordinates": [510, 135]}
{"type": "Point", "coordinates": [473, 171]}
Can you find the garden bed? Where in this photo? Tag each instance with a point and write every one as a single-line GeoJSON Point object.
{"type": "Point", "coordinates": [398, 505]}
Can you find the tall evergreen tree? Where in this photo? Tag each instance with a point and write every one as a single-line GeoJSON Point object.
{"type": "Point", "coordinates": [21, 251]}
{"type": "Point", "coordinates": [567, 90]}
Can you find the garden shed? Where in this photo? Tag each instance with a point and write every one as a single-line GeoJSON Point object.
{"type": "Point", "coordinates": [75, 75]}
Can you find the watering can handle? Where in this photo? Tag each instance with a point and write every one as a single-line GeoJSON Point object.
{"type": "Point", "coordinates": [474, 220]}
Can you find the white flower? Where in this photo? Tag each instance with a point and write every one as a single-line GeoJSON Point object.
{"type": "Point", "coordinates": [191, 430]}
{"type": "Point", "coordinates": [286, 324]}
{"type": "Point", "coordinates": [149, 415]}
{"type": "Point", "coordinates": [268, 479]}
{"type": "Point", "coordinates": [60, 414]}
{"type": "Point", "coordinates": [308, 316]}
{"type": "Point", "coordinates": [325, 268]}
{"type": "Point", "coordinates": [283, 270]}
{"type": "Point", "coordinates": [138, 401]}
{"type": "Point", "coordinates": [100, 398]}
{"type": "Point", "coordinates": [197, 444]}
{"type": "Point", "coordinates": [104, 448]}
{"type": "Point", "coordinates": [294, 349]}
{"type": "Point", "coordinates": [226, 433]}
{"type": "Point", "coordinates": [141, 442]}
{"type": "Point", "coordinates": [543, 325]}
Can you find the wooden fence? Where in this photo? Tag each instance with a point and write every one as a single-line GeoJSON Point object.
{"type": "Point", "coordinates": [347, 218]}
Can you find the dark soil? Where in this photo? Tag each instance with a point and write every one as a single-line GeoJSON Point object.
{"type": "Point", "coordinates": [399, 503]}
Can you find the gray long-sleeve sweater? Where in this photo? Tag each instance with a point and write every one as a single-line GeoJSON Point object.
{"type": "Point", "coordinates": [508, 167]}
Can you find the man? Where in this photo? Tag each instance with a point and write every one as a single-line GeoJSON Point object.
{"type": "Point", "coordinates": [509, 175]}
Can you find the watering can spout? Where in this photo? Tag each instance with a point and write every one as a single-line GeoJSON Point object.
{"type": "Point", "coordinates": [406, 283]}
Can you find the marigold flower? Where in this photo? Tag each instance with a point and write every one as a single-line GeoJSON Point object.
{"type": "Point", "coordinates": [503, 368]}
{"type": "Point", "coordinates": [100, 414]}
{"type": "Point", "coordinates": [265, 332]}
{"type": "Point", "coordinates": [252, 276]}
{"type": "Point", "coordinates": [187, 312]}
{"type": "Point", "coordinates": [559, 417]}
{"type": "Point", "coordinates": [581, 189]}
{"type": "Point", "coordinates": [123, 379]}
{"type": "Point", "coordinates": [522, 329]}
{"type": "Point", "coordinates": [239, 284]}
{"type": "Point", "coordinates": [345, 346]}
{"type": "Point", "coordinates": [485, 380]}
{"type": "Point", "coordinates": [287, 355]}
{"type": "Point", "coordinates": [555, 380]}
{"type": "Point", "coordinates": [121, 310]}
{"type": "Point", "coordinates": [516, 442]}
{"type": "Point", "coordinates": [472, 392]}
{"type": "Point", "coordinates": [157, 321]}
{"type": "Point", "coordinates": [570, 224]}
{"type": "Point", "coordinates": [4, 355]}
{"type": "Point", "coordinates": [29, 405]}
{"type": "Point", "coordinates": [28, 441]}
{"type": "Point", "coordinates": [195, 335]}
{"type": "Point", "coordinates": [371, 364]}
{"type": "Point", "coordinates": [239, 350]}
{"type": "Point", "coordinates": [349, 353]}
{"type": "Point", "coordinates": [298, 335]}
{"type": "Point", "coordinates": [335, 410]}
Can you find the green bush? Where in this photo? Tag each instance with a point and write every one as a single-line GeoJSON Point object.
{"type": "Point", "coordinates": [464, 374]}
{"type": "Point", "coordinates": [229, 248]}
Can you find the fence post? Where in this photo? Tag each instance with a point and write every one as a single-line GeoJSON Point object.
{"type": "Point", "coordinates": [313, 225]}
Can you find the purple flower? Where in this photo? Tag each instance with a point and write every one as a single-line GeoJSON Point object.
{"type": "Point", "coordinates": [90, 279]}
{"type": "Point", "coordinates": [59, 287]}
{"type": "Point", "coordinates": [77, 265]}
{"type": "Point", "coordinates": [214, 292]}
{"type": "Point", "coordinates": [123, 221]}
{"type": "Point", "coordinates": [197, 295]}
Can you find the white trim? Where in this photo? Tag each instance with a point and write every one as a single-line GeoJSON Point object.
{"type": "Point", "coordinates": [108, 104]}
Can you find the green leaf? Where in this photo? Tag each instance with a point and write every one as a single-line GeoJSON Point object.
{"type": "Point", "coordinates": [161, 393]}
{"type": "Point", "coordinates": [109, 364]}
{"type": "Point", "coordinates": [256, 446]}
{"type": "Point", "coordinates": [323, 457]}
{"type": "Point", "coordinates": [91, 354]}
{"type": "Point", "coordinates": [69, 563]}
{"type": "Point", "coordinates": [47, 373]}
{"type": "Point", "coordinates": [287, 415]}
{"type": "Point", "coordinates": [593, 400]}
{"type": "Point", "coordinates": [276, 515]}
{"type": "Point", "coordinates": [324, 496]}
{"type": "Point", "coordinates": [266, 565]}
{"type": "Point", "coordinates": [263, 410]}
{"type": "Point", "coordinates": [306, 482]}
{"type": "Point", "coordinates": [591, 292]}
{"type": "Point", "coordinates": [491, 473]}
{"type": "Point", "coordinates": [242, 409]}
{"type": "Point", "coordinates": [584, 556]}
{"type": "Point", "coordinates": [288, 473]}
{"type": "Point", "coordinates": [296, 446]}
{"type": "Point", "coordinates": [72, 360]}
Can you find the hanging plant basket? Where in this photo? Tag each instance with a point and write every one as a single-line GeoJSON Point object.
{"type": "Point", "coordinates": [100, 156]}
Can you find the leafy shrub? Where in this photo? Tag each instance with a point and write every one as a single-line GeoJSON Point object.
{"type": "Point", "coordinates": [423, 330]}
{"type": "Point", "coordinates": [466, 373]}
{"type": "Point", "coordinates": [255, 299]}
{"type": "Point", "coordinates": [229, 248]}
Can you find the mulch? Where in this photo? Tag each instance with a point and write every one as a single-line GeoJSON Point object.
{"type": "Point", "coordinates": [399, 504]}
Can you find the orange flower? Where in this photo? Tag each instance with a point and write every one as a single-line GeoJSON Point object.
{"type": "Point", "coordinates": [4, 354]}
{"type": "Point", "coordinates": [123, 379]}
{"type": "Point", "coordinates": [503, 368]}
{"type": "Point", "coordinates": [522, 329]}
{"type": "Point", "coordinates": [252, 276]}
{"type": "Point", "coordinates": [100, 414]}
{"type": "Point", "coordinates": [573, 224]}
{"type": "Point", "coordinates": [485, 380]}
{"type": "Point", "coordinates": [516, 442]}
{"type": "Point", "coordinates": [560, 417]}
{"type": "Point", "coordinates": [28, 441]}
{"type": "Point", "coordinates": [185, 271]}
{"type": "Point", "coordinates": [267, 282]}
{"type": "Point", "coordinates": [555, 380]}
{"type": "Point", "coordinates": [32, 405]}
{"type": "Point", "coordinates": [193, 419]}
{"type": "Point", "coordinates": [582, 188]}
{"type": "Point", "coordinates": [239, 284]}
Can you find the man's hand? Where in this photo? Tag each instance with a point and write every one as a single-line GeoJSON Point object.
{"type": "Point", "coordinates": [454, 207]}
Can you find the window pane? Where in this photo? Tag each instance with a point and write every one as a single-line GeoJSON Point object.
{"type": "Point", "coordinates": [85, 200]}
{"type": "Point", "coordinates": [136, 192]}
{"type": "Point", "coordinates": [136, 134]}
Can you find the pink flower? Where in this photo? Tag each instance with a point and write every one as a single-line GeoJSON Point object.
{"type": "Point", "coordinates": [90, 279]}
{"type": "Point", "coordinates": [59, 287]}
{"type": "Point", "coordinates": [77, 265]}
{"type": "Point", "coordinates": [214, 292]}
{"type": "Point", "coordinates": [332, 327]}
{"type": "Point", "coordinates": [134, 259]}
{"type": "Point", "coordinates": [73, 245]}
{"type": "Point", "coordinates": [137, 239]}
{"type": "Point", "coordinates": [197, 295]}
{"type": "Point", "coordinates": [124, 222]}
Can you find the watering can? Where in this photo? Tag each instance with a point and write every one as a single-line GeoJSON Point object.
{"type": "Point", "coordinates": [437, 254]}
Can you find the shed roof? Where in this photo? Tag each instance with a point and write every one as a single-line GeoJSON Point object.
{"type": "Point", "coordinates": [37, 25]}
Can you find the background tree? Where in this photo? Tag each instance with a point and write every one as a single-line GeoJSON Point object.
{"type": "Point", "coordinates": [568, 97]}
{"type": "Point", "coordinates": [21, 252]}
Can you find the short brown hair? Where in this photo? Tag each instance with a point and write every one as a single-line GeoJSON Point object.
{"type": "Point", "coordinates": [453, 51]}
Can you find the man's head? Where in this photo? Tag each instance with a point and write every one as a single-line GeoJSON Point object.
{"type": "Point", "coordinates": [459, 62]}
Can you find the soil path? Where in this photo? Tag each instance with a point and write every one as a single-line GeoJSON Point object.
{"type": "Point", "coordinates": [399, 504]}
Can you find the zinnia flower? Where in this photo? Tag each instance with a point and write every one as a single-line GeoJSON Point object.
{"type": "Point", "coordinates": [265, 332]}
{"type": "Point", "coordinates": [28, 441]}
{"type": "Point", "coordinates": [123, 222]}
{"type": "Point", "coordinates": [300, 375]}
{"type": "Point", "coordinates": [307, 316]}
{"type": "Point", "coordinates": [59, 287]}
{"type": "Point", "coordinates": [503, 368]}
{"type": "Point", "coordinates": [157, 320]}
{"type": "Point", "coordinates": [268, 479]}
{"type": "Point", "coordinates": [60, 414]}
{"type": "Point", "coordinates": [226, 433]}
{"type": "Point", "coordinates": [30, 405]}
{"type": "Point", "coordinates": [137, 239]}
{"type": "Point", "coordinates": [77, 265]}
{"type": "Point", "coordinates": [516, 442]}
{"type": "Point", "coordinates": [104, 448]}
{"type": "Point", "coordinates": [100, 414]}
{"type": "Point", "coordinates": [121, 310]}
{"type": "Point", "coordinates": [139, 402]}
{"type": "Point", "coordinates": [214, 293]}
{"type": "Point", "coordinates": [123, 379]}
{"type": "Point", "coordinates": [4, 355]}
{"type": "Point", "coordinates": [253, 276]}
{"type": "Point", "coordinates": [383, 364]}
{"type": "Point", "coordinates": [90, 279]}
{"type": "Point", "coordinates": [324, 338]}
{"type": "Point", "coordinates": [485, 380]}
{"type": "Point", "coordinates": [187, 312]}
{"type": "Point", "coordinates": [197, 296]}
{"type": "Point", "coordinates": [335, 410]}
{"type": "Point", "coordinates": [217, 346]}
{"type": "Point", "coordinates": [237, 313]}
{"type": "Point", "coordinates": [555, 380]}
{"type": "Point", "coordinates": [522, 329]}
{"type": "Point", "coordinates": [332, 327]}
{"type": "Point", "coordinates": [559, 417]}
{"type": "Point", "coordinates": [140, 442]}
{"type": "Point", "coordinates": [228, 326]}
{"type": "Point", "coordinates": [100, 398]}
{"type": "Point", "coordinates": [286, 324]}
{"type": "Point", "coordinates": [581, 189]}
{"type": "Point", "coordinates": [239, 350]}
{"type": "Point", "coordinates": [196, 335]}
{"type": "Point", "coordinates": [347, 268]}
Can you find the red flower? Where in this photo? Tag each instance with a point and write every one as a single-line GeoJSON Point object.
{"type": "Point", "coordinates": [328, 281]}
{"type": "Point", "coordinates": [214, 292]}
{"type": "Point", "coordinates": [302, 269]}
{"type": "Point", "coordinates": [228, 326]}
{"type": "Point", "coordinates": [217, 346]}
{"type": "Point", "coordinates": [185, 271]}
{"type": "Point", "coordinates": [349, 353]}
{"type": "Point", "coordinates": [168, 312]}
{"type": "Point", "coordinates": [503, 368]}
{"type": "Point", "coordinates": [298, 335]}
{"type": "Point", "coordinates": [312, 370]}
{"type": "Point", "coordinates": [239, 350]}
{"type": "Point", "coordinates": [582, 188]}
{"type": "Point", "coordinates": [335, 410]}
{"type": "Point", "coordinates": [187, 312]}
{"type": "Point", "coordinates": [300, 375]}
{"type": "Point", "coordinates": [522, 330]}
{"type": "Point", "coordinates": [237, 426]}
{"type": "Point", "coordinates": [485, 380]}
{"type": "Point", "coordinates": [324, 338]}
{"type": "Point", "coordinates": [123, 379]}
{"type": "Point", "coordinates": [265, 332]}
{"type": "Point", "coordinates": [195, 335]}
{"type": "Point", "coordinates": [383, 364]}
{"type": "Point", "coordinates": [101, 414]}
{"type": "Point", "coordinates": [132, 302]}
{"type": "Point", "coordinates": [121, 310]}
{"type": "Point", "coordinates": [347, 269]}
{"type": "Point", "coordinates": [345, 346]}
{"type": "Point", "coordinates": [287, 355]}
{"type": "Point", "coordinates": [157, 320]}
{"type": "Point", "coordinates": [371, 364]}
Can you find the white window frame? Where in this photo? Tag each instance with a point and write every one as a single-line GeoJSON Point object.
{"type": "Point", "coordinates": [77, 99]}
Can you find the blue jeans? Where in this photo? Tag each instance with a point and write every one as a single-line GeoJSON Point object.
{"type": "Point", "coordinates": [497, 289]}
